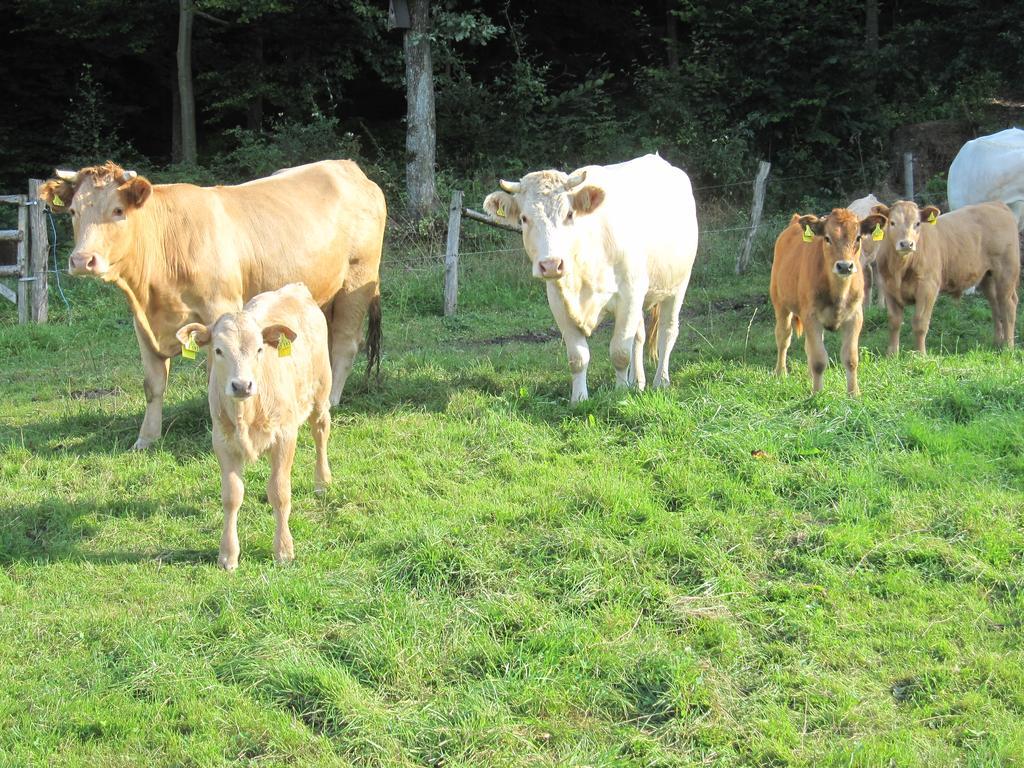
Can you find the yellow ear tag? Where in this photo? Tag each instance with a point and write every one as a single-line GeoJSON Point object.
{"type": "Point", "coordinates": [501, 211]}
{"type": "Point", "coordinates": [808, 235]}
{"type": "Point", "coordinates": [877, 233]}
{"type": "Point", "coordinates": [57, 201]}
{"type": "Point", "coordinates": [932, 218]}
{"type": "Point", "coordinates": [284, 346]}
{"type": "Point", "coordinates": [189, 348]}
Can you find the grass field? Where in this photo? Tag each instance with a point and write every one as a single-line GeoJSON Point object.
{"type": "Point", "coordinates": [497, 579]}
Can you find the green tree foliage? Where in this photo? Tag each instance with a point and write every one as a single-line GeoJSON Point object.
{"type": "Point", "coordinates": [519, 85]}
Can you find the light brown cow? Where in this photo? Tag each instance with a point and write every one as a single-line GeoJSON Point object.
{"type": "Point", "coordinates": [974, 245]}
{"type": "Point", "coordinates": [182, 254]}
{"type": "Point", "coordinates": [817, 283]}
{"type": "Point", "coordinates": [270, 372]}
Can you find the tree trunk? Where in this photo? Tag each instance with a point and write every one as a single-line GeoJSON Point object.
{"type": "Point", "coordinates": [175, 121]}
{"type": "Point", "coordinates": [421, 128]}
{"type": "Point", "coordinates": [671, 37]}
{"type": "Point", "coordinates": [254, 110]}
{"type": "Point", "coordinates": [186, 98]}
{"type": "Point", "coordinates": [871, 43]}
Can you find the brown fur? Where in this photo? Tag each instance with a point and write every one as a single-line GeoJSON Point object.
{"type": "Point", "coordinates": [974, 245]}
{"type": "Point", "coordinates": [189, 254]}
{"type": "Point", "coordinates": [809, 296]}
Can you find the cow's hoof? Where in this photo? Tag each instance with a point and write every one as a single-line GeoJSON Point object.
{"type": "Point", "coordinates": [143, 444]}
{"type": "Point", "coordinates": [228, 563]}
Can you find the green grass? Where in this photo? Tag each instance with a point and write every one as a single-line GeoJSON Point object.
{"type": "Point", "coordinates": [498, 579]}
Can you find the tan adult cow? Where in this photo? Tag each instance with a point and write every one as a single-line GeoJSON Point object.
{"type": "Point", "coordinates": [924, 254]}
{"type": "Point", "coordinates": [184, 254]}
{"type": "Point", "coordinates": [817, 283]}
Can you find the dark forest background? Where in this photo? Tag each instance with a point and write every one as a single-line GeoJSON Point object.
{"type": "Point", "coordinates": [817, 88]}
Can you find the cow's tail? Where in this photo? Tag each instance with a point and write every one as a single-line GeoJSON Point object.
{"type": "Point", "coordinates": [373, 335]}
{"type": "Point", "coordinates": [798, 324]}
{"type": "Point", "coordinates": [653, 321]}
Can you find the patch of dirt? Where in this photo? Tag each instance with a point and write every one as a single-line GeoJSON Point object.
{"type": "Point", "coordinates": [95, 394]}
{"type": "Point", "coordinates": [527, 337]}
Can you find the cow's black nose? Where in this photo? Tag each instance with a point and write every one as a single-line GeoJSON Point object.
{"type": "Point", "coordinates": [240, 387]}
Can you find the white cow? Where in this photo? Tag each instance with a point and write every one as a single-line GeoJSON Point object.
{"type": "Point", "coordinates": [615, 238]}
{"type": "Point", "coordinates": [989, 168]}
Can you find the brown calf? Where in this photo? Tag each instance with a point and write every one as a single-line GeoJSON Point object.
{"type": "Point", "coordinates": [817, 283]}
{"type": "Point", "coordinates": [924, 254]}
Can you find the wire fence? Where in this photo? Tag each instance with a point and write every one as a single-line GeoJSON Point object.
{"type": "Point", "coordinates": [723, 220]}
{"type": "Point", "coordinates": [718, 216]}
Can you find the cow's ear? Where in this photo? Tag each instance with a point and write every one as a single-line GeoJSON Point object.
{"type": "Point", "coordinates": [815, 223]}
{"type": "Point", "coordinates": [185, 333]}
{"type": "Point", "coordinates": [930, 213]}
{"type": "Point", "coordinates": [56, 194]}
{"type": "Point", "coordinates": [502, 205]}
{"type": "Point", "coordinates": [881, 208]}
{"type": "Point", "coordinates": [135, 191]}
{"type": "Point", "coordinates": [867, 225]}
{"type": "Point", "coordinates": [587, 200]}
{"type": "Point", "coordinates": [272, 334]}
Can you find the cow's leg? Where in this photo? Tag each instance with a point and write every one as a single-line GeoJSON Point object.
{"type": "Point", "coordinates": [1009, 294]}
{"type": "Point", "coordinates": [637, 375]}
{"type": "Point", "coordinates": [668, 332]}
{"type": "Point", "coordinates": [817, 356]}
{"type": "Point", "coordinates": [279, 494]}
{"type": "Point", "coordinates": [346, 332]}
{"type": "Point", "coordinates": [895, 310]}
{"type": "Point", "coordinates": [155, 369]}
{"type": "Point", "coordinates": [995, 303]}
{"type": "Point", "coordinates": [783, 336]}
{"type": "Point", "coordinates": [879, 282]}
{"type": "Point", "coordinates": [575, 345]}
{"type": "Point", "coordinates": [869, 282]}
{"type": "Point", "coordinates": [924, 304]}
{"type": "Point", "coordinates": [628, 319]}
{"type": "Point", "coordinates": [850, 353]}
{"type": "Point", "coordinates": [232, 489]}
{"type": "Point", "coordinates": [320, 423]}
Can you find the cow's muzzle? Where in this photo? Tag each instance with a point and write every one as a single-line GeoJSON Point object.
{"type": "Point", "coordinates": [845, 268]}
{"type": "Point", "coordinates": [904, 247]}
{"type": "Point", "coordinates": [86, 263]}
{"type": "Point", "coordinates": [551, 269]}
{"type": "Point", "coordinates": [240, 389]}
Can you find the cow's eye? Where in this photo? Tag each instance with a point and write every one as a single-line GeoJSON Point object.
{"type": "Point", "coordinates": [219, 351]}
{"type": "Point", "coordinates": [259, 351]}
{"type": "Point", "coordinates": [569, 217]}
{"type": "Point", "coordinates": [828, 239]}
{"type": "Point", "coordinates": [917, 225]}
{"type": "Point", "coordinates": [523, 219]}
{"type": "Point", "coordinates": [119, 211]}
{"type": "Point", "coordinates": [892, 223]}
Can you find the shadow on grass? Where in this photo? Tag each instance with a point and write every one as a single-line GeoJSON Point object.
{"type": "Point", "coordinates": [55, 529]}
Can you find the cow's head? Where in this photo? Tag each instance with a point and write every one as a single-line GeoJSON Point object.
{"type": "Point", "coordinates": [546, 205]}
{"type": "Point", "coordinates": [905, 220]}
{"type": "Point", "coordinates": [101, 200]}
{"type": "Point", "coordinates": [842, 235]}
{"type": "Point", "coordinates": [239, 345]}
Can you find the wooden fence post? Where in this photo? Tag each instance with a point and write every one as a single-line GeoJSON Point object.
{"type": "Point", "coordinates": [760, 183]}
{"type": "Point", "coordinates": [908, 174]}
{"type": "Point", "coordinates": [23, 271]}
{"type": "Point", "coordinates": [40, 250]}
{"type": "Point", "coordinates": [451, 255]}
